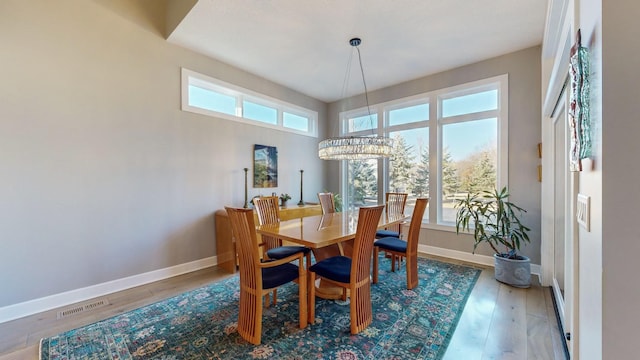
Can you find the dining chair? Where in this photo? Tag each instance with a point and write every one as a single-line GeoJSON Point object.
{"type": "Point", "coordinates": [352, 273]}
{"type": "Point", "coordinates": [258, 278]}
{"type": "Point", "coordinates": [397, 247]}
{"type": "Point", "coordinates": [269, 213]}
{"type": "Point", "coordinates": [395, 203]}
{"type": "Point", "coordinates": [327, 202]}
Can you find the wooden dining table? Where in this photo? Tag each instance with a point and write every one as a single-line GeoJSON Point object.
{"type": "Point", "coordinates": [327, 235]}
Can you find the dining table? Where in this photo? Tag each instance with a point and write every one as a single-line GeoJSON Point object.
{"type": "Point", "coordinates": [327, 235]}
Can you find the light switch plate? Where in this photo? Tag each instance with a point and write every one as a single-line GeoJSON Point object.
{"type": "Point", "coordinates": [583, 210]}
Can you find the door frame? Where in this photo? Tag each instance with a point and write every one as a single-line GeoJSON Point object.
{"type": "Point", "coordinates": [564, 303]}
{"type": "Point", "coordinates": [559, 37]}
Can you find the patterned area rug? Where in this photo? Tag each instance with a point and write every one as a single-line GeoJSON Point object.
{"type": "Point", "coordinates": [201, 324]}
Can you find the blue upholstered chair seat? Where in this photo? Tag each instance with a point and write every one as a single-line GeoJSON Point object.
{"type": "Point", "coordinates": [278, 275]}
{"type": "Point", "coordinates": [386, 233]}
{"type": "Point", "coordinates": [391, 243]}
{"type": "Point", "coordinates": [282, 252]}
{"type": "Point", "coordinates": [336, 268]}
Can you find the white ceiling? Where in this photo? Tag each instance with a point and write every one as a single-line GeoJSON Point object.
{"type": "Point", "coordinates": [304, 45]}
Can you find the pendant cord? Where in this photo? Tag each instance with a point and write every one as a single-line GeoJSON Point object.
{"type": "Point", "coordinates": [366, 93]}
{"type": "Point", "coordinates": [345, 84]}
{"type": "Point", "coordinates": [347, 75]}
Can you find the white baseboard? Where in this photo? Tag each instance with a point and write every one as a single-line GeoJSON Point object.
{"type": "Point", "coordinates": [35, 306]}
{"type": "Point", "coordinates": [465, 256]}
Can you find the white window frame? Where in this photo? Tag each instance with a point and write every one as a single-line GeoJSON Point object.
{"type": "Point", "coordinates": [435, 124]}
{"type": "Point", "coordinates": [189, 77]}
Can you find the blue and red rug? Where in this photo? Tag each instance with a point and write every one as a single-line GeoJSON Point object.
{"type": "Point", "coordinates": [201, 324]}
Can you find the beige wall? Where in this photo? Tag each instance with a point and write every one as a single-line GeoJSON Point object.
{"type": "Point", "coordinates": [102, 175]}
{"type": "Point", "coordinates": [619, 130]}
{"type": "Point", "coordinates": [589, 260]}
{"type": "Point", "coordinates": [523, 68]}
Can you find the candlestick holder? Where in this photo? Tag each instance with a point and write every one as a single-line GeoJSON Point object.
{"type": "Point", "coordinates": [301, 202]}
{"type": "Point", "coordinates": [246, 204]}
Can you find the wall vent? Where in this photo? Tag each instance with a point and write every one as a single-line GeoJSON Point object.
{"type": "Point", "coordinates": [82, 308]}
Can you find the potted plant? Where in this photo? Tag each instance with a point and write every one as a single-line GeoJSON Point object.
{"type": "Point", "coordinates": [496, 221]}
{"type": "Point", "coordinates": [284, 198]}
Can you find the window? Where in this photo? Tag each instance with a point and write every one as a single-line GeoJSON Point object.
{"type": "Point", "coordinates": [211, 100]}
{"type": "Point", "coordinates": [297, 122]}
{"type": "Point", "coordinates": [257, 112]}
{"type": "Point", "coordinates": [208, 96]}
{"type": "Point", "coordinates": [447, 143]}
{"type": "Point", "coordinates": [362, 189]}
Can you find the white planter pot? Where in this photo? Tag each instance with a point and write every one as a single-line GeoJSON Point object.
{"type": "Point", "coordinates": [514, 272]}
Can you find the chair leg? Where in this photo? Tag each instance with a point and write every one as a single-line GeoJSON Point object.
{"type": "Point", "coordinates": [267, 298]}
{"type": "Point", "coordinates": [412, 271]}
{"type": "Point", "coordinates": [360, 308]}
{"type": "Point", "coordinates": [311, 295]}
{"type": "Point", "coordinates": [250, 317]}
{"type": "Point", "coordinates": [308, 261]}
{"type": "Point", "coordinates": [376, 252]}
{"type": "Point", "coordinates": [302, 296]}
{"type": "Point", "coordinates": [393, 262]}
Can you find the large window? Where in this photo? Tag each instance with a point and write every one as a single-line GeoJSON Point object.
{"type": "Point", "coordinates": [447, 143]}
{"type": "Point", "coordinates": [205, 95]}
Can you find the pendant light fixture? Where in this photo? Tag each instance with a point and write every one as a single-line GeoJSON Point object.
{"type": "Point", "coordinates": [356, 147]}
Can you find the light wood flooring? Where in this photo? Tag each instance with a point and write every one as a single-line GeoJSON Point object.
{"type": "Point", "coordinates": [498, 322]}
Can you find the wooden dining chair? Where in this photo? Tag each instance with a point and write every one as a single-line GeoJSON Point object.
{"type": "Point", "coordinates": [269, 213]}
{"type": "Point", "coordinates": [258, 278]}
{"type": "Point", "coordinates": [397, 247]}
{"type": "Point", "coordinates": [327, 203]}
{"type": "Point", "coordinates": [395, 203]}
{"type": "Point", "coordinates": [351, 273]}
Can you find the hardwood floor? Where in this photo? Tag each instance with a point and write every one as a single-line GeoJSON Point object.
{"type": "Point", "coordinates": [498, 322]}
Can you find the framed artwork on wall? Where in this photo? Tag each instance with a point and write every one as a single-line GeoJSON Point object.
{"type": "Point", "coordinates": [265, 166]}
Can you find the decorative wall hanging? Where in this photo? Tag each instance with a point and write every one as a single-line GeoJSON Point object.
{"type": "Point", "coordinates": [579, 122]}
{"type": "Point", "coordinates": [265, 166]}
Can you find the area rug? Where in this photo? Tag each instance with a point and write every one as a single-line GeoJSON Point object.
{"type": "Point", "coordinates": [201, 324]}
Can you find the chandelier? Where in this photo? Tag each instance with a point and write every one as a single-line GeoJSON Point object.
{"type": "Point", "coordinates": [356, 147]}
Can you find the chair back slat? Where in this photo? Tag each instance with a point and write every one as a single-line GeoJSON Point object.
{"type": "Point", "coordinates": [243, 229]}
{"type": "Point", "coordinates": [267, 209]}
{"type": "Point", "coordinates": [414, 226]}
{"type": "Point", "coordinates": [268, 213]}
{"type": "Point", "coordinates": [368, 218]}
{"type": "Point", "coordinates": [327, 203]}
{"type": "Point", "coordinates": [395, 203]}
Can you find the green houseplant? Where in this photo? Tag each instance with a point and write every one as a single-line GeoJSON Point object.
{"type": "Point", "coordinates": [284, 198]}
{"type": "Point", "coordinates": [496, 221]}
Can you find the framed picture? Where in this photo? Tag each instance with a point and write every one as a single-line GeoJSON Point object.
{"type": "Point", "coordinates": [265, 166]}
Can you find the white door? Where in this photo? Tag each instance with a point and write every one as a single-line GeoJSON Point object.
{"type": "Point", "coordinates": [564, 183]}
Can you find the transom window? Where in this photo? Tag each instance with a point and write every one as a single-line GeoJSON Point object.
{"type": "Point", "coordinates": [208, 96]}
{"type": "Point", "coordinates": [447, 143]}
